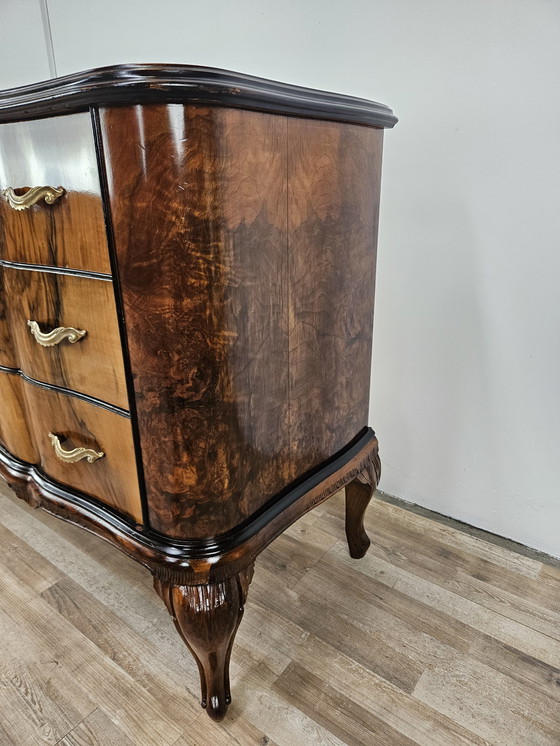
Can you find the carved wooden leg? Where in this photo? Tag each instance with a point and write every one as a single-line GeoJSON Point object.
{"type": "Point", "coordinates": [358, 494]}
{"type": "Point", "coordinates": [207, 618]}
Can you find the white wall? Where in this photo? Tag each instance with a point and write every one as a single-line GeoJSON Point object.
{"type": "Point", "coordinates": [466, 374]}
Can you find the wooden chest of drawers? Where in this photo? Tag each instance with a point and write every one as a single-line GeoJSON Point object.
{"type": "Point", "coordinates": [187, 263]}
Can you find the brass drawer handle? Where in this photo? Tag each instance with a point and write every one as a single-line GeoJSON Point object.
{"type": "Point", "coordinates": [32, 196]}
{"type": "Point", "coordinates": [76, 454]}
{"type": "Point", "coordinates": [57, 335]}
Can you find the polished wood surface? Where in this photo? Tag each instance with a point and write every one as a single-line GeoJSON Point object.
{"type": "Point", "coordinates": [14, 431]}
{"type": "Point", "coordinates": [202, 270]}
{"type": "Point", "coordinates": [333, 201]}
{"type": "Point", "coordinates": [207, 617]}
{"type": "Point", "coordinates": [113, 479]}
{"type": "Point", "coordinates": [93, 365]}
{"type": "Point", "coordinates": [359, 493]}
{"type": "Point", "coordinates": [462, 650]}
{"type": "Point", "coordinates": [194, 84]}
{"type": "Point", "coordinates": [71, 232]}
{"type": "Point", "coordinates": [7, 353]}
{"type": "Point", "coordinates": [252, 267]}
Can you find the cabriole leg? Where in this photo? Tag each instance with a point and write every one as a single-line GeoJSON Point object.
{"type": "Point", "coordinates": [358, 495]}
{"type": "Point", "coordinates": [207, 617]}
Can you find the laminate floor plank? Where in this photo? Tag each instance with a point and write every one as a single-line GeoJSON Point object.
{"type": "Point", "coordinates": [528, 671]}
{"type": "Point", "coordinates": [339, 714]}
{"type": "Point", "coordinates": [438, 557]}
{"type": "Point", "coordinates": [22, 561]}
{"type": "Point", "coordinates": [37, 708]}
{"type": "Point", "coordinates": [236, 731]}
{"type": "Point", "coordinates": [400, 638]}
{"type": "Point", "coordinates": [491, 704]}
{"type": "Point", "coordinates": [448, 568]}
{"type": "Point", "coordinates": [123, 586]}
{"type": "Point", "coordinates": [97, 729]}
{"type": "Point", "coordinates": [283, 722]}
{"type": "Point", "coordinates": [462, 612]}
{"type": "Point", "coordinates": [295, 552]}
{"type": "Point", "coordinates": [435, 638]}
{"type": "Point", "coordinates": [308, 611]}
{"type": "Point", "coordinates": [399, 710]}
{"type": "Point", "coordinates": [130, 651]}
{"type": "Point", "coordinates": [141, 718]}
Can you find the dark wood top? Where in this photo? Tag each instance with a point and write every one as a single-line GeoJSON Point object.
{"type": "Point", "coordinates": [126, 84]}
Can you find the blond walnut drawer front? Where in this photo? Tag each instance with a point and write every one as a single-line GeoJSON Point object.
{"type": "Point", "coordinates": [53, 153]}
{"type": "Point", "coordinates": [7, 352]}
{"type": "Point", "coordinates": [63, 385]}
{"type": "Point", "coordinates": [112, 478]}
{"type": "Point", "coordinates": [48, 314]}
{"type": "Point", "coordinates": [14, 430]}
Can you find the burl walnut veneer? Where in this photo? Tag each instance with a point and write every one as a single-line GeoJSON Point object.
{"type": "Point", "coordinates": [187, 265]}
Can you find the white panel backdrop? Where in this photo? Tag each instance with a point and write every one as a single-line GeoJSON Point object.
{"type": "Point", "coordinates": [466, 369]}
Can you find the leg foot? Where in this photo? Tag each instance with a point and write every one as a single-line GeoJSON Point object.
{"type": "Point", "coordinates": [207, 618]}
{"type": "Point", "coordinates": [358, 494]}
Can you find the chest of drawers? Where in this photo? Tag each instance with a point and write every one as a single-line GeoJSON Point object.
{"type": "Point", "coordinates": [187, 263]}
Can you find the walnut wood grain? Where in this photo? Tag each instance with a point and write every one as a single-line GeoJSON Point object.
{"type": "Point", "coordinates": [94, 364]}
{"type": "Point", "coordinates": [251, 262]}
{"type": "Point", "coordinates": [113, 479]}
{"type": "Point", "coordinates": [70, 233]}
{"type": "Point", "coordinates": [207, 618]}
{"type": "Point", "coordinates": [333, 200]}
{"type": "Point", "coordinates": [7, 354]}
{"type": "Point", "coordinates": [198, 201]}
{"type": "Point", "coordinates": [14, 432]}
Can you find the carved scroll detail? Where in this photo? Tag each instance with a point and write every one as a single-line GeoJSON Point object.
{"type": "Point", "coordinates": [32, 196]}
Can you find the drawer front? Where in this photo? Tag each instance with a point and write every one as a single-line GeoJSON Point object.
{"type": "Point", "coordinates": [92, 364]}
{"type": "Point", "coordinates": [7, 355]}
{"type": "Point", "coordinates": [70, 232]}
{"type": "Point", "coordinates": [14, 433]}
{"type": "Point", "coordinates": [111, 479]}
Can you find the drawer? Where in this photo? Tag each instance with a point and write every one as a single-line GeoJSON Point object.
{"type": "Point", "coordinates": [70, 232]}
{"type": "Point", "coordinates": [14, 433]}
{"type": "Point", "coordinates": [93, 364]}
{"type": "Point", "coordinates": [7, 356]}
{"type": "Point", "coordinates": [111, 479]}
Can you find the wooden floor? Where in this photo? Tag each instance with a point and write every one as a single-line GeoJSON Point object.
{"type": "Point", "coordinates": [435, 637]}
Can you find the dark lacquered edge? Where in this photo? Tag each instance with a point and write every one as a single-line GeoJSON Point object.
{"type": "Point", "coordinates": [150, 83]}
{"type": "Point", "coordinates": [198, 560]}
{"type": "Point", "coordinates": [99, 152]}
{"type": "Point", "coordinates": [67, 392]}
{"type": "Point", "coordinates": [50, 269]}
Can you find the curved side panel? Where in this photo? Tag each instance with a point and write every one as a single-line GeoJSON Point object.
{"type": "Point", "coordinates": [199, 210]}
{"type": "Point", "coordinates": [245, 247]}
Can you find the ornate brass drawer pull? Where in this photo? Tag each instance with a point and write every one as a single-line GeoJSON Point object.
{"type": "Point", "coordinates": [76, 454]}
{"type": "Point", "coordinates": [57, 335]}
{"type": "Point", "coordinates": [32, 196]}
